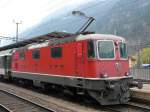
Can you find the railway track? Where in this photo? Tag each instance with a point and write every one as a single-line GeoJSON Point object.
{"type": "Point", "coordinates": [55, 101]}
{"type": "Point", "coordinates": [65, 105]}
{"type": "Point", "coordinates": [13, 103]}
{"type": "Point", "coordinates": [4, 109]}
{"type": "Point", "coordinates": [140, 106]}
{"type": "Point", "coordinates": [129, 107]}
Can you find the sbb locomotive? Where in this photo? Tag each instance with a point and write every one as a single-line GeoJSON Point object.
{"type": "Point", "coordinates": [93, 64]}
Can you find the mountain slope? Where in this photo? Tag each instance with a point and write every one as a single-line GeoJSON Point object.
{"type": "Point", "coordinates": [127, 18]}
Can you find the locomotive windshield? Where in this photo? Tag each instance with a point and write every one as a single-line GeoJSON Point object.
{"type": "Point", "coordinates": [123, 50]}
{"type": "Point", "coordinates": [106, 49]}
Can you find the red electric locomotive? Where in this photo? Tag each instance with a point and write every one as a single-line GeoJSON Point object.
{"type": "Point", "coordinates": [87, 63]}
{"type": "Point", "coordinates": [94, 64]}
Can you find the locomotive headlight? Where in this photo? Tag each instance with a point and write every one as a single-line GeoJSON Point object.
{"type": "Point", "coordinates": [105, 75]}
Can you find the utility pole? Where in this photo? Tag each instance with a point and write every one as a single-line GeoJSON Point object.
{"type": "Point", "coordinates": [17, 24]}
{"type": "Point", "coordinates": [139, 62]}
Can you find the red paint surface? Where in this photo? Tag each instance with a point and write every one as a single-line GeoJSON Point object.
{"type": "Point", "coordinates": [74, 62]}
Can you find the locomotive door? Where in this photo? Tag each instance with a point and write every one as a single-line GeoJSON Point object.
{"type": "Point", "coordinates": [79, 61]}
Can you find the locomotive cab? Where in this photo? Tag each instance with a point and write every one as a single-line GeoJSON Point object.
{"type": "Point", "coordinates": [114, 58]}
{"type": "Point", "coordinates": [109, 58]}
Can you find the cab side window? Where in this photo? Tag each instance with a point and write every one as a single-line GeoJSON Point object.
{"type": "Point", "coordinates": [91, 51]}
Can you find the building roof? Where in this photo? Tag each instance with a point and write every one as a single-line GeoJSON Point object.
{"type": "Point", "coordinates": [60, 37]}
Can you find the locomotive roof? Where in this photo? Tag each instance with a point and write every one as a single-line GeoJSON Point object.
{"type": "Point", "coordinates": [75, 38]}
{"type": "Point", "coordinates": [100, 37]}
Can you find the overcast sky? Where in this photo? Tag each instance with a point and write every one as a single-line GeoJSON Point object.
{"type": "Point", "coordinates": [29, 12]}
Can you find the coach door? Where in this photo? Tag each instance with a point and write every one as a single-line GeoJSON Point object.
{"type": "Point", "coordinates": [79, 60]}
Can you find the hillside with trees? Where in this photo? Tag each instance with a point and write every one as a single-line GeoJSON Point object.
{"type": "Point", "coordinates": [145, 56]}
{"type": "Point", "coordinates": [127, 18]}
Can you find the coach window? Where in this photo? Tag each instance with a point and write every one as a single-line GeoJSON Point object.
{"type": "Point", "coordinates": [21, 55]}
{"type": "Point", "coordinates": [56, 52]}
{"type": "Point", "coordinates": [91, 52]}
{"type": "Point", "coordinates": [36, 54]}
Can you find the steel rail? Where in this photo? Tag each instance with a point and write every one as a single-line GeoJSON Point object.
{"type": "Point", "coordinates": [111, 109]}
{"type": "Point", "coordinates": [27, 100]}
{"type": "Point", "coordinates": [143, 107]}
{"type": "Point", "coordinates": [4, 108]}
{"type": "Point", "coordinates": [129, 106]}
